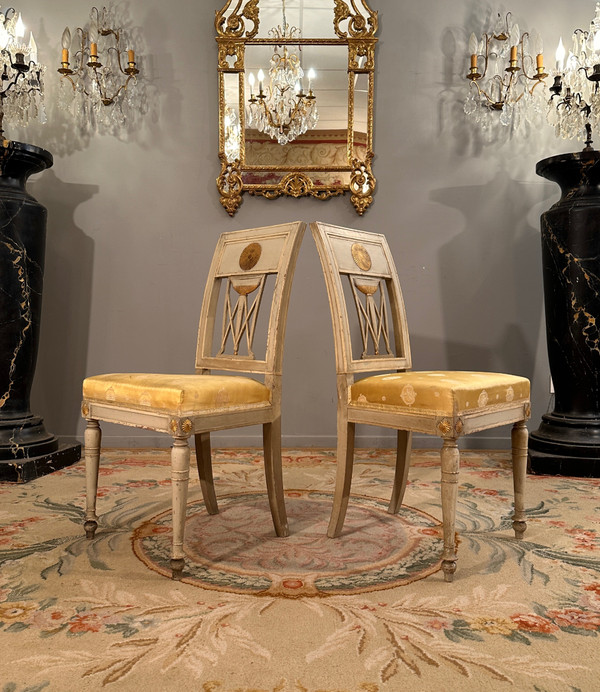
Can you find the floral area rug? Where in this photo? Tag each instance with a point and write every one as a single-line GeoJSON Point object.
{"type": "Point", "coordinates": [368, 612]}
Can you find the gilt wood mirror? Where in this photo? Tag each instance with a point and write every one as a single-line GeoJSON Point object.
{"type": "Point", "coordinates": [296, 80]}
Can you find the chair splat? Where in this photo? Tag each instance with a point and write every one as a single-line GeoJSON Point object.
{"type": "Point", "coordinates": [373, 318]}
{"type": "Point", "coordinates": [240, 319]}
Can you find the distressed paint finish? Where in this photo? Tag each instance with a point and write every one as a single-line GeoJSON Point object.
{"type": "Point", "coordinates": [568, 439]}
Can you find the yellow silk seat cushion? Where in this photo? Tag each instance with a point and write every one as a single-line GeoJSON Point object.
{"type": "Point", "coordinates": [442, 393]}
{"type": "Point", "coordinates": [177, 394]}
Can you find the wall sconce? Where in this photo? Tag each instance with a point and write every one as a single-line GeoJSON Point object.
{"type": "Point", "coordinates": [103, 72]}
{"type": "Point", "coordinates": [504, 76]}
{"type": "Point", "coordinates": [21, 85]}
{"type": "Point", "coordinates": [574, 107]}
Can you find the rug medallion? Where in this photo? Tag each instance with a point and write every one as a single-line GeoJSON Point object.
{"type": "Point", "coordinates": [237, 550]}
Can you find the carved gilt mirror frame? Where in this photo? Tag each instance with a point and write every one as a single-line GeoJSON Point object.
{"type": "Point", "coordinates": [251, 161]}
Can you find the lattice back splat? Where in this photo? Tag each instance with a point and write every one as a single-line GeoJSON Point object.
{"type": "Point", "coordinates": [239, 320]}
{"type": "Point", "coordinates": [372, 314]}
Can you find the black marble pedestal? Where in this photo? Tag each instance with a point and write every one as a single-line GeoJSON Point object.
{"type": "Point", "coordinates": [567, 441]}
{"type": "Point", "coordinates": [25, 470]}
{"type": "Point", "coordinates": [27, 449]}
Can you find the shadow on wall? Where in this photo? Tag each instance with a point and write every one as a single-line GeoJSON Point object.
{"type": "Point", "coordinates": [68, 128]}
{"type": "Point", "coordinates": [62, 356]}
{"type": "Point", "coordinates": [491, 284]}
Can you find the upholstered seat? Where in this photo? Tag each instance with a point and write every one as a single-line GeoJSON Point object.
{"type": "Point", "coordinates": [448, 404]}
{"type": "Point", "coordinates": [439, 392]}
{"type": "Point", "coordinates": [182, 395]}
{"type": "Point", "coordinates": [246, 267]}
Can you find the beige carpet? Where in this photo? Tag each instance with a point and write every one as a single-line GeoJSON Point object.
{"type": "Point", "coordinates": [368, 612]}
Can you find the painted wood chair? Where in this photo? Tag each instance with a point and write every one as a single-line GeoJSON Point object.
{"type": "Point", "coordinates": [248, 265]}
{"type": "Point", "coordinates": [444, 403]}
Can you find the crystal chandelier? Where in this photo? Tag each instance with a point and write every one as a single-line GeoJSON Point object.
{"type": "Point", "coordinates": [574, 107]}
{"type": "Point", "coordinates": [284, 111]}
{"type": "Point", "coordinates": [99, 86]}
{"type": "Point", "coordinates": [21, 86]}
{"type": "Point", "coordinates": [504, 76]}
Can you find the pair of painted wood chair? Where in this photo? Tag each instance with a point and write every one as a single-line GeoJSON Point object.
{"type": "Point", "coordinates": [249, 265]}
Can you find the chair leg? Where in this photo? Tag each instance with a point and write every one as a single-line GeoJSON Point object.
{"type": "Point", "coordinates": [274, 476]}
{"type": "Point", "coordinates": [450, 457]}
{"type": "Point", "coordinates": [519, 437]}
{"type": "Point", "coordinates": [343, 481]}
{"type": "Point", "coordinates": [403, 448]}
{"type": "Point", "coordinates": [93, 438]}
{"type": "Point", "coordinates": [204, 463]}
{"type": "Point", "coordinates": [180, 475]}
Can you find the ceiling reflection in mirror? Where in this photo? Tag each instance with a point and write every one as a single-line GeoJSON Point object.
{"type": "Point", "coordinates": [296, 81]}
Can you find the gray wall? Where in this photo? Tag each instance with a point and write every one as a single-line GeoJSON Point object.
{"type": "Point", "coordinates": [132, 224]}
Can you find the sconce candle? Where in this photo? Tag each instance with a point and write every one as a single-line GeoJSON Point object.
{"type": "Point", "coordinates": [560, 55]}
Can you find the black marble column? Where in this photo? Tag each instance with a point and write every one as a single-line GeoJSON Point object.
{"type": "Point", "coordinates": [568, 439]}
{"type": "Point", "coordinates": [27, 449]}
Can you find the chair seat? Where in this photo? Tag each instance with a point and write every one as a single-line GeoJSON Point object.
{"type": "Point", "coordinates": [176, 394]}
{"type": "Point", "coordinates": [439, 393]}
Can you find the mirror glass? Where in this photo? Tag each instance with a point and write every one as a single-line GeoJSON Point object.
{"type": "Point", "coordinates": [314, 18]}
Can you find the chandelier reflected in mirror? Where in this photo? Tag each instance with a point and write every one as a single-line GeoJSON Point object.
{"type": "Point", "coordinates": [505, 77]}
{"type": "Point", "coordinates": [283, 110]}
{"type": "Point", "coordinates": [574, 107]}
{"type": "Point", "coordinates": [21, 85]}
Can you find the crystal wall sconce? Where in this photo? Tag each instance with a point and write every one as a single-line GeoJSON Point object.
{"type": "Point", "coordinates": [102, 72]}
{"type": "Point", "coordinates": [504, 75]}
{"type": "Point", "coordinates": [574, 108]}
{"type": "Point", "coordinates": [21, 83]}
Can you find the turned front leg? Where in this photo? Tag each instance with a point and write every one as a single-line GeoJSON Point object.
{"type": "Point", "coordinates": [519, 438]}
{"type": "Point", "coordinates": [450, 458]}
{"type": "Point", "coordinates": [93, 438]}
{"type": "Point", "coordinates": [180, 475]}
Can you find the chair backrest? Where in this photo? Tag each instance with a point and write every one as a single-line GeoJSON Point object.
{"type": "Point", "coordinates": [243, 264]}
{"type": "Point", "coordinates": [364, 261]}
